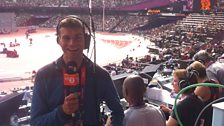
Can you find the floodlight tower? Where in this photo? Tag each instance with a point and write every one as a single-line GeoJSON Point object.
{"type": "Point", "coordinates": [103, 14]}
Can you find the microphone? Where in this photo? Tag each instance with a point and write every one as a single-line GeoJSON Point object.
{"type": "Point", "coordinates": [71, 67]}
{"type": "Point", "coordinates": [71, 79]}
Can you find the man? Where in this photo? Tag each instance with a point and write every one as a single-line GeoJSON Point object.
{"type": "Point", "coordinates": [64, 98]}
{"type": "Point", "coordinates": [207, 94]}
{"type": "Point", "coordinates": [214, 70]}
{"type": "Point", "coordinates": [139, 113]}
{"type": "Point", "coordinates": [204, 57]}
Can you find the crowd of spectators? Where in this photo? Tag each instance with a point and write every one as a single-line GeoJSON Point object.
{"type": "Point", "coordinates": [112, 23]}
{"type": "Point", "coordinates": [7, 23]}
{"type": "Point", "coordinates": [22, 19]}
{"type": "Point", "coordinates": [188, 36]}
{"type": "Point", "coordinates": [69, 3]}
{"type": "Point", "coordinates": [207, 55]}
{"type": "Point", "coordinates": [180, 40]}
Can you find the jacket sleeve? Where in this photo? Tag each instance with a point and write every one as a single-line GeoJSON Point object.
{"type": "Point", "coordinates": [113, 101]}
{"type": "Point", "coordinates": [212, 74]}
{"type": "Point", "coordinates": [41, 115]}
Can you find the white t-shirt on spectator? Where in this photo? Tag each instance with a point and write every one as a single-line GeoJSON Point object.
{"type": "Point", "coordinates": [145, 115]}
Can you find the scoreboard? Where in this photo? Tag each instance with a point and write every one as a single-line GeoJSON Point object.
{"type": "Point", "coordinates": [205, 5]}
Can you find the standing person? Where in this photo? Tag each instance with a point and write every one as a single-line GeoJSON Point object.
{"type": "Point", "coordinates": [27, 34]}
{"type": "Point", "coordinates": [31, 41]}
{"type": "Point", "coordinates": [69, 90]}
{"type": "Point", "coordinates": [27, 95]}
{"type": "Point", "coordinates": [139, 113]}
{"type": "Point", "coordinates": [33, 75]}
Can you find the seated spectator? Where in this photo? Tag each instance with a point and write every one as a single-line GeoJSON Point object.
{"type": "Point", "coordinates": [189, 105]}
{"type": "Point", "coordinates": [216, 71]}
{"type": "Point", "coordinates": [204, 57]}
{"type": "Point", "coordinates": [113, 73]}
{"type": "Point", "coordinates": [207, 94]}
{"type": "Point", "coordinates": [27, 95]}
{"type": "Point", "coordinates": [139, 113]}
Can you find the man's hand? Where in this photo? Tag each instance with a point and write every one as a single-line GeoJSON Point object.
{"type": "Point", "coordinates": [71, 104]}
{"type": "Point", "coordinates": [165, 109]}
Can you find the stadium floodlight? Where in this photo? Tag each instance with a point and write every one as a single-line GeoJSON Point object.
{"type": "Point", "coordinates": [103, 14]}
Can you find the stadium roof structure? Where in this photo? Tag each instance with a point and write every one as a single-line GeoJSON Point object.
{"type": "Point", "coordinates": [149, 4]}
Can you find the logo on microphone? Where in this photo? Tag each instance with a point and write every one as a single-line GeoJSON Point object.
{"type": "Point", "coordinates": [71, 79]}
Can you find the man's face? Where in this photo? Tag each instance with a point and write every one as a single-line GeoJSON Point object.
{"type": "Point", "coordinates": [72, 42]}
